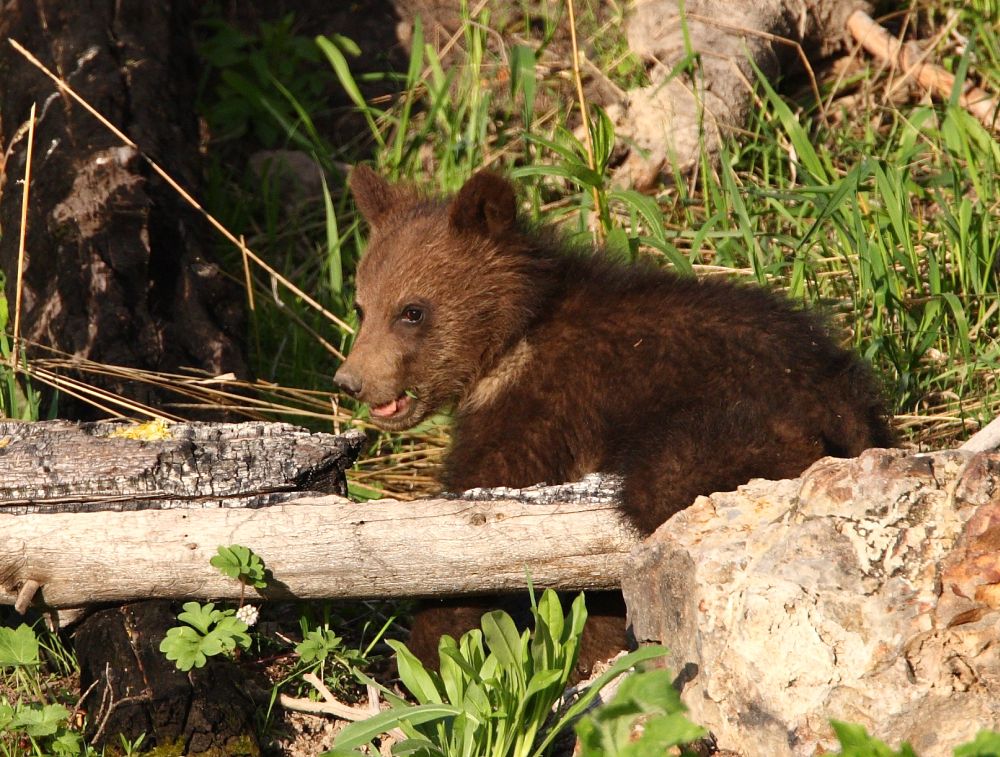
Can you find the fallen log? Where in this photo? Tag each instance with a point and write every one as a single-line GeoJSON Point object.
{"type": "Point", "coordinates": [89, 517]}
{"type": "Point", "coordinates": [63, 467]}
{"type": "Point", "coordinates": [99, 514]}
{"type": "Point", "coordinates": [326, 547]}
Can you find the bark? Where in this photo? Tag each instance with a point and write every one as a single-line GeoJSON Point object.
{"type": "Point", "coordinates": [64, 467]}
{"type": "Point", "coordinates": [116, 266]}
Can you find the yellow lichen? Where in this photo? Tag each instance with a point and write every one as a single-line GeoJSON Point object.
{"type": "Point", "coordinates": [151, 431]}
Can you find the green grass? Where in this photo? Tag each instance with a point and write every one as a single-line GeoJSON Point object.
{"type": "Point", "coordinates": [18, 400]}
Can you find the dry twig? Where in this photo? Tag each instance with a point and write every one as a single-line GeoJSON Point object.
{"type": "Point", "coordinates": [876, 40]}
{"type": "Point", "coordinates": [23, 237]}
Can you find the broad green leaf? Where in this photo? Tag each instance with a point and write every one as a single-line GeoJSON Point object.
{"type": "Point", "coordinates": [364, 731]}
{"type": "Point", "coordinates": [620, 666]}
{"type": "Point", "coordinates": [7, 714]}
{"type": "Point", "coordinates": [198, 616]}
{"type": "Point", "coordinates": [318, 644]}
{"type": "Point", "coordinates": [414, 676]}
{"type": "Point", "coordinates": [18, 647]}
{"type": "Point", "coordinates": [665, 731]}
{"type": "Point", "coordinates": [416, 748]}
{"type": "Point", "coordinates": [241, 563]}
{"type": "Point", "coordinates": [503, 638]}
{"type": "Point", "coordinates": [543, 680]}
{"type": "Point", "coordinates": [855, 742]}
{"type": "Point", "coordinates": [38, 721]}
{"type": "Point", "coordinates": [67, 744]}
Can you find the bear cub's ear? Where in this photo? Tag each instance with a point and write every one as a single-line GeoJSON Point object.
{"type": "Point", "coordinates": [373, 195]}
{"type": "Point", "coordinates": [485, 203]}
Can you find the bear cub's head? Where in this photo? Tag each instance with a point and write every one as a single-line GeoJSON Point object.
{"type": "Point", "coordinates": [443, 290]}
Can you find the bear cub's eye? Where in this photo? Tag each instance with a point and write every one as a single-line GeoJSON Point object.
{"type": "Point", "coordinates": [412, 314]}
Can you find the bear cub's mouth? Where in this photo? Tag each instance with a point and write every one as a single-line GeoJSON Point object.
{"type": "Point", "coordinates": [396, 408]}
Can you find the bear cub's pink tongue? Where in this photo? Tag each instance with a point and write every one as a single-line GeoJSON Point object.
{"type": "Point", "coordinates": [396, 407]}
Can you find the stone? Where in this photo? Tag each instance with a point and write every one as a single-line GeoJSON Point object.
{"type": "Point", "coordinates": [867, 590]}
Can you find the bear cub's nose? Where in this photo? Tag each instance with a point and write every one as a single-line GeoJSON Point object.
{"type": "Point", "coordinates": [348, 381]}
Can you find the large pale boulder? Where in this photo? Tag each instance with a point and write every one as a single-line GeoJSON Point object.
{"type": "Point", "coordinates": [867, 590]}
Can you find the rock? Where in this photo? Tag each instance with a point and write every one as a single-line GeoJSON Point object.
{"type": "Point", "coordinates": [867, 590]}
{"type": "Point", "coordinates": [688, 109]}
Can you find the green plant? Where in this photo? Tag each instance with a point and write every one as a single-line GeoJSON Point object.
{"type": "Point", "coordinates": [986, 744]}
{"type": "Point", "coordinates": [17, 398]}
{"type": "Point", "coordinates": [39, 726]}
{"type": "Point", "coordinates": [490, 704]}
{"type": "Point", "coordinates": [261, 84]}
{"type": "Point", "coordinates": [208, 632]}
{"type": "Point", "coordinates": [645, 717]}
{"type": "Point", "coordinates": [20, 654]}
{"type": "Point", "coordinates": [242, 564]}
{"type": "Point", "coordinates": [130, 747]}
{"type": "Point", "coordinates": [324, 652]}
{"type": "Point", "coordinates": [40, 729]}
{"type": "Point", "coordinates": [855, 742]}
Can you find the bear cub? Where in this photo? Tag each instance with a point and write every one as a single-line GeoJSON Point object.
{"type": "Point", "coordinates": [560, 363]}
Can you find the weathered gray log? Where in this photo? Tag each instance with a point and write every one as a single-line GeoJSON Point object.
{"type": "Point", "coordinates": [63, 467]}
{"type": "Point", "coordinates": [867, 590]}
{"type": "Point", "coordinates": [317, 547]}
{"type": "Point", "coordinates": [91, 517]}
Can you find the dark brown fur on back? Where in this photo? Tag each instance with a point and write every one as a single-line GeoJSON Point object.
{"type": "Point", "coordinates": [560, 364]}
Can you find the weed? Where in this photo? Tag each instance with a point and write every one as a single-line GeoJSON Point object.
{"type": "Point", "coordinates": [494, 703]}
{"type": "Point", "coordinates": [17, 398]}
{"type": "Point", "coordinates": [644, 717]}
{"type": "Point", "coordinates": [32, 724]}
{"type": "Point", "coordinates": [208, 632]}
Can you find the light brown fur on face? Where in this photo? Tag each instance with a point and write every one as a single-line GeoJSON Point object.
{"type": "Point", "coordinates": [464, 330]}
{"type": "Point", "coordinates": [560, 364]}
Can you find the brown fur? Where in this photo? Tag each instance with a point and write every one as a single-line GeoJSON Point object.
{"type": "Point", "coordinates": [559, 363]}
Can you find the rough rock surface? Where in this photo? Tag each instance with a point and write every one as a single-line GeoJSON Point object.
{"type": "Point", "coordinates": [867, 590]}
{"type": "Point", "coordinates": [669, 121]}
